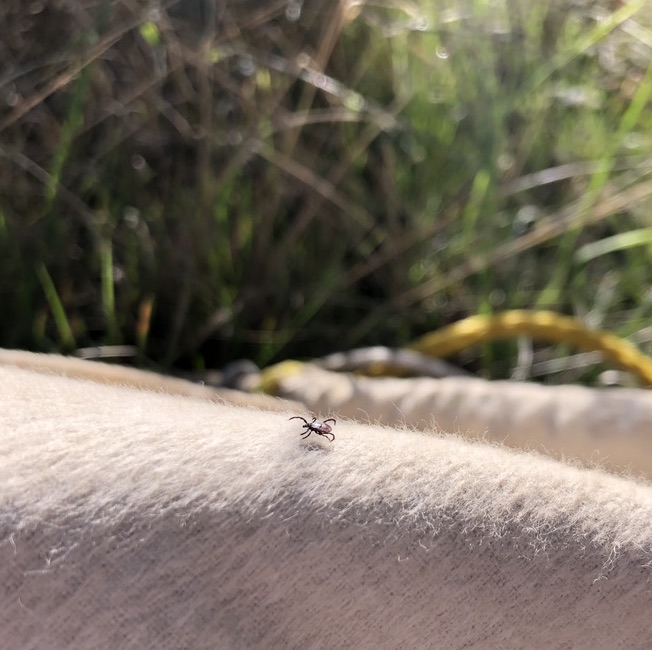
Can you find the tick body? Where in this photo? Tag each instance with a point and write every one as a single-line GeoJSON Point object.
{"type": "Point", "coordinates": [320, 428]}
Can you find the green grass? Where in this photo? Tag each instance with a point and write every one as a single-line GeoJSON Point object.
{"type": "Point", "coordinates": [208, 185]}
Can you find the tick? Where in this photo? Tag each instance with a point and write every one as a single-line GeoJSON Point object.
{"type": "Point", "coordinates": [320, 428]}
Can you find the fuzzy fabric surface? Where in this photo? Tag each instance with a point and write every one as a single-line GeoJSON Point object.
{"type": "Point", "coordinates": [138, 519]}
{"type": "Point", "coordinates": [141, 379]}
{"type": "Point", "coordinates": [606, 427]}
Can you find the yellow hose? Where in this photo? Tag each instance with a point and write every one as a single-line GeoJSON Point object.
{"type": "Point", "coordinates": [543, 325]}
{"type": "Point", "coordinates": [271, 377]}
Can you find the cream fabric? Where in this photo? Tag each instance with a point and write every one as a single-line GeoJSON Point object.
{"type": "Point", "coordinates": [142, 379]}
{"type": "Point", "coordinates": [139, 519]}
{"type": "Point", "coordinates": [609, 427]}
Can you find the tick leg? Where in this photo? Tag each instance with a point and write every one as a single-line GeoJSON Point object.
{"type": "Point", "coordinates": [305, 434]}
{"type": "Point", "coordinates": [326, 435]}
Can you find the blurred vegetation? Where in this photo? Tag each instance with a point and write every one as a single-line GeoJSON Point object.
{"type": "Point", "coordinates": [209, 180]}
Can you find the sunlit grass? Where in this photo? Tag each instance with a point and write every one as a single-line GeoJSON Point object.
{"type": "Point", "coordinates": [210, 186]}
